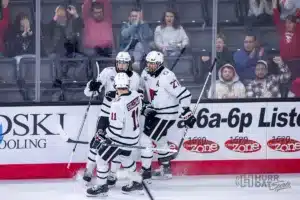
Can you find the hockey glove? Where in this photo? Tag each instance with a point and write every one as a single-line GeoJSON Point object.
{"type": "Point", "coordinates": [188, 117]}
{"type": "Point", "coordinates": [110, 95]}
{"type": "Point", "coordinates": [94, 85]}
{"type": "Point", "coordinates": [98, 139]}
{"type": "Point", "coordinates": [148, 110]}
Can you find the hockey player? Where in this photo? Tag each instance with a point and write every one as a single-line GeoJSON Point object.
{"type": "Point", "coordinates": [168, 99]}
{"type": "Point", "coordinates": [124, 130]}
{"type": "Point", "coordinates": [106, 80]}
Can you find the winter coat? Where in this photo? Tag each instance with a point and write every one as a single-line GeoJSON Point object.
{"type": "Point", "coordinates": [228, 89]}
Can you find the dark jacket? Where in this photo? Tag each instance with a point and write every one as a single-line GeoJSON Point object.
{"type": "Point", "coordinates": [63, 40]}
{"type": "Point", "coordinates": [18, 44]}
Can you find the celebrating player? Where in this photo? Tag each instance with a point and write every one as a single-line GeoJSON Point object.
{"type": "Point", "coordinates": [168, 99]}
{"type": "Point", "coordinates": [124, 130]}
{"type": "Point", "coordinates": [106, 80]}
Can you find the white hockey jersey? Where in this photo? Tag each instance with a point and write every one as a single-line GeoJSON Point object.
{"type": "Point", "coordinates": [124, 119]}
{"type": "Point", "coordinates": [106, 77]}
{"type": "Point", "coordinates": [165, 93]}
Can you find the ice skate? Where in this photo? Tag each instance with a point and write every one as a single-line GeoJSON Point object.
{"type": "Point", "coordinates": [146, 175]}
{"type": "Point", "coordinates": [164, 172]}
{"type": "Point", "coordinates": [87, 177]}
{"type": "Point", "coordinates": [111, 181]}
{"type": "Point", "coordinates": [133, 188]}
{"type": "Point", "coordinates": [97, 191]}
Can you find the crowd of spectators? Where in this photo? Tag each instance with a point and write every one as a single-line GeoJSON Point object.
{"type": "Point", "coordinates": [87, 32]}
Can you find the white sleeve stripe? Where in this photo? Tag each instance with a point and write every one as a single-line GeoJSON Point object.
{"type": "Point", "coordinates": [116, 141]}
{"type": "Point", "coordinates": [167, 107]}
{"type": "Point", "coordinates": [115, 127]}
{"type": "Point", "coordinates": [106, 105]}
{"type": "Point", "coordinates": [181, 93]}
{"type": "Point", "coordinates": [185, 97]}
{"type": "Point", "coordinates": [120, 136]}
{"type": "Point", "coordinates": [105, 111]}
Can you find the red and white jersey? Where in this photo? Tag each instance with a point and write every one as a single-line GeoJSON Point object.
{"type": "Point", "coordinates": [106, 77]}
{"type": "Point", "coordinates": [124, 119]}
{"type": "Point", "coordinates": [165, 93]}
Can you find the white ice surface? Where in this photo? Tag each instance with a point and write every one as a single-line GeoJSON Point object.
{"type": "Point", "coordinates": [179, 188]}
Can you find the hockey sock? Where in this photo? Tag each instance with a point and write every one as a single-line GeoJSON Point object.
{"type": "Point", "coordinates": [102, 171]}
{"type": "Point", "coordinates": [91, 162]}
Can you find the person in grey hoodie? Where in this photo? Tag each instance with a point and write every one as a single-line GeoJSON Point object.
{"type": "Point", "coordinates": [136, 37]}
{"type": "Point", "coordinates": [228, 86]}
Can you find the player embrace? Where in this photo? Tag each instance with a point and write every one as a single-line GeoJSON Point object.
{"type": "Point", "coordinates": [105, 80]}
{"type": "Point", "coordinates": [168, 99]}
{"type": "Point", "coordinates": [123, 130]}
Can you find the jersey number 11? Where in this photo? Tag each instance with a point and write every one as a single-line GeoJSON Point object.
{"type": "Point", "coordinates": [135, 118]}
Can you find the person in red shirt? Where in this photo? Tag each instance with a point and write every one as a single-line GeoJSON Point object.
{"type": "Point", "coordinates": [97, 34]}
{"type": "Point", "coordinates": [4, 25]}
{"type": "Point", "coordinates": [289, 31]}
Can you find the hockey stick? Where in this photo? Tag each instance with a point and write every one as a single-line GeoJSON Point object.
{"type": "Point", "coordinates": [178, 58]}
{"type": "Point", "coordinates": [173, 156]}
{"type": "Point", "coordinates": [69, 140]}
{"type": "Point", "coordinates": [80, 130]}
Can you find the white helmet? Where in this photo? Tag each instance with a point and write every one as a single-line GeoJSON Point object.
{"type": "Point", "coordinates": [121, 80]}
{"type": "Point", "coordinates": [121, 59]}
{"type": "Point", "coordinates": [123, 56]}
{"type": "Point", "coordinates": [154, 57]}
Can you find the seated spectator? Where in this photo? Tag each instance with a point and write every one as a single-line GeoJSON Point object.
{"type": "Point", "coordinates": [98, 34]}
{"type": "Point", "coordinates": [136, 37]}
{"type": "Point", "coordinates": [228, 86]}
{"type": "Point", "coordinates": [170, 37]}
{"type": "Point", "coordinates": [289, 31]}
{"type": "Point", "coordinates": [288, 7]}
{"type": "Point", "coordinates": [62, 36]}
{"type": "Point", "coordinates": [246, 59]}
{"type": "Point", "coordinates": [21, 39]}
{"type": "Point", "coordinates": [260, 12]}
{"type": "Point", "coordinates": [224, 56]}
{"type": "Point", "coordinates": [4, 21]}
{"type": "Point", "coordinates": [268, 86]}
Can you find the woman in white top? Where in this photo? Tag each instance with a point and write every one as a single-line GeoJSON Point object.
{"type": "Point", "coordinates": [170, 37]}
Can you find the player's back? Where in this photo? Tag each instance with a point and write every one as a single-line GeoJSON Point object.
{"type": "Point", "coordinates": [124, 119]}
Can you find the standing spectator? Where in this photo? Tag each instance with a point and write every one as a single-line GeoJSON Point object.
{"type": "Point", "coordinates": [268, 86]}
{"type": "Point", "coordinates": [98, 35]}
{"type": "Point", "coordinates": [21, 39]}
{"type": "Point", "coordinates": [170, 37]}
{"type": "Point", "coordinates": [289, 7]}
{"type": "Point", "coordinates": [289, 31]}
{"type": "Point", "coordinates": [224, 56]}
{"type": "Point", "coordinates": [246, 59]}
{"type": "Point", "coordinates": [136, 37]}
{"type": "Point", "coordinates": [228, 86]}
{"type": "Point", "coordinates": [260, 12]}
{"type": "Point", "coordinates": [62, 36]}
{"type": "Point", "coordinates": [3, 25]}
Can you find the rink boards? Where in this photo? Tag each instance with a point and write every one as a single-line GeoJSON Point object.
{"type": "Point", "coordinates": [228, 138]}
